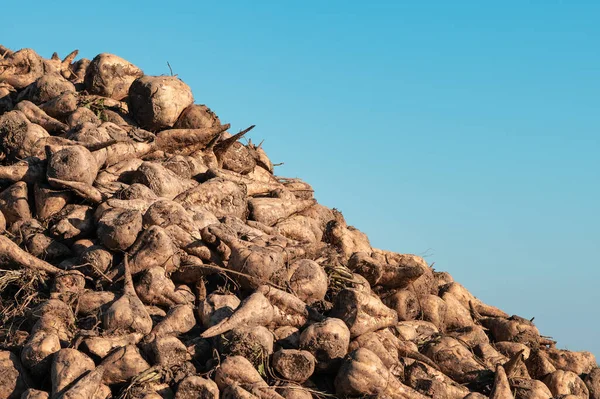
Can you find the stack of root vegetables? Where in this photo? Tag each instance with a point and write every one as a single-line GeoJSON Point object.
{"type": "Point", "coordinates": [145, 252]}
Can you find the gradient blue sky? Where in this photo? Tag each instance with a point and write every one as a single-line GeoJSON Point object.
{"type": "Point", "coordinates": [465, 131]}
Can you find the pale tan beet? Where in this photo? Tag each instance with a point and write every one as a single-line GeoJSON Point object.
{"type": "Point", "coordinates": [137, 191]}
{"type": "Point", "coordinates": [328, 341]}
{"type": "Point", "coordinates": [167, 351]}
{"type": "Point", "coordinates": [235, 391]}
{"type": "Point", "coordinates": [255, 310]}
{"type": "Point", "coordinates": [363, 373]}
{"type": "Point", "coordinates": [362, 312]}
{"type": "Point", "coordinates": [195, 387]}
{"type": "Point", "coordinates": [294, 365]}
{"type": "Point", "coordinates": [529, 389]}
{"type": "Point", "coordinates": [454, 359]}
{"type": "Point", "coordinates": [433, 309]}
{"type": "Point", "coordinates": [121, 151]}
{"type": "Point", "coordinates": [162, 181]}
{"type": "Point", "coordinates": [539, 365]}
{"type": "Point", "coordinates": [237, 158]}
{"type": "Point", "coordinates": [196, 117]}
{"type": "Point", "coordinates": [61, 106]}
{"type": "Point", "coordinates": [466, 298]}
{"type": "Point", "coordinates": [271, 210]}
{"type": "Point", "coordinates": [98, 138]}
{"type": "Point", "coordinates": [372, 342]}
{"type": "Point", "coordinates": [13, 379]}
{"type": "Point", "coordinates": [122, 364]}
{"type": "Point", "coordinates": [347, 239]}
{"type": "Point", "coordinates": [153, 248]}
{"type": "Point", "coordinates": [30, 170]}
{"type": "Point", "coordinates": [433, 383]}
{"type": "Point", "coordinates": [221, 197]}
{"type": "Point", "coordinates": [203, 217]}
{"type": "Point", "coordinates": [83, 190]}
{"type": "Point", "coordinates": [179, 320]}
{"type": "Point", "coordinates": [416, 330]}
{"type": "Point", "coordinates": [307, 280]}
{"type": "Point", "coordinates": [216, 307]}
{"type": "Point", "coordinates": [259, 264]}
{"type": "Point", "coordinates": [102, 346]}
{"type": "Point", "coordinates": [255, 343]}
{"type": "Point", "coordinates": [300, 228]}
{"type": "Point", "coordinates": [171, 216]}
{"type": "Point", "coordinates": [566, 383]}
{"type": "Point", "coordinates": [12, 255]}
{"type": "Point", "coordinates": [290, 390]}
{"type": "Point", "coordinates": [82, 116]}
{"type": "Point", "coordinates": [509, 349]}
{"type": "Point", "coordinates": [118, 228]}
{"type": "Point", "coordinates": [73, 163]}
{"type": "Point", "coordinates": [55, 322]}
{"type": "Point", "coordinates": [111, 76]}
{"type": "Point", "coordinates": [48, 202]}
{"type": "Point", "coordinates": [20, 138]}
{"type": "Point", "coordinates": [240, 228]}
{"type": "Point", "coordinates": [88, 386]}
{"type": "Point", "coordinates": [14, 203]}
{"type": "Point", "coordinates": [288, 308]}
{"type": "Point", "coordinates": [457, 316]}
{"type": "Point", "coordinates": [185, 167]}
{"type": "Point", "coordinates": [155, 288]}
{"type": "Point", "coordinates": [157, 101]}
{"type": "Point", "coordinates": [67, 366]}
{"type": "Point", "coordinates": [97, 260]}
{"type": "Point", "coordinates": [127, 313]}
{"type": "Point", "coordinates": [301, 189]}
{"type": "Point", "coordinates": [395, 275]}
{"type": "Point", "coordinates": [471, 336]}
{"type": "Point", "coordinates": [89, 302]}
{"type": "Point", "coordinates": [21, 68]}
{"type": "Point", "coordinates": [184, 140]}
{"type": "Point", "coordinates": [253, 185]}
{"type": "Point", "coordinates": [47, 87]}
{"type": "Point", "coordinates": [577, 362]}
{"type": "Point", "coordinates": [238, 370]}
{"type": "Point", "coordinates": [38, 116]}
{"type": "Point", "coordinates": [405, 303]}
{"type": "Point", "coordinates": [592, 382]}
{"type": "Point", "coordinates": [501, 389]}
{"type": "Point", "coordinates": [138, 205]}
{"type": "Point", "coordinates": [67, 285]}
{"type": "Point", "coordinates": [425, 284]}
{"type": "Point", "coordinates": [73, 222]}
{"type": "Point", "coordinates": [516, 368]}
{"type": "Point", "coordinates": [30, 234]}
{"type": "Point", "coordinates": [515, 329]}
{"type": "Point", "coordinates": [392, 351]}
{"type": "Point", "coordinates": [78, 69]}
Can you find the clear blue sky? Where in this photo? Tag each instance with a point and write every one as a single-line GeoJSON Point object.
{"type": "Point", "coordinates": [467, 131]}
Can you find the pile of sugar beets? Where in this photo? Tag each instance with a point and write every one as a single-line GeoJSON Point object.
{"type": "Point", "coordinates": [147, 253]}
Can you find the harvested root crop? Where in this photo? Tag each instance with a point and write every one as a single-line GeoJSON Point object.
{"type": "Point", "coordinates": [147, 252]}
